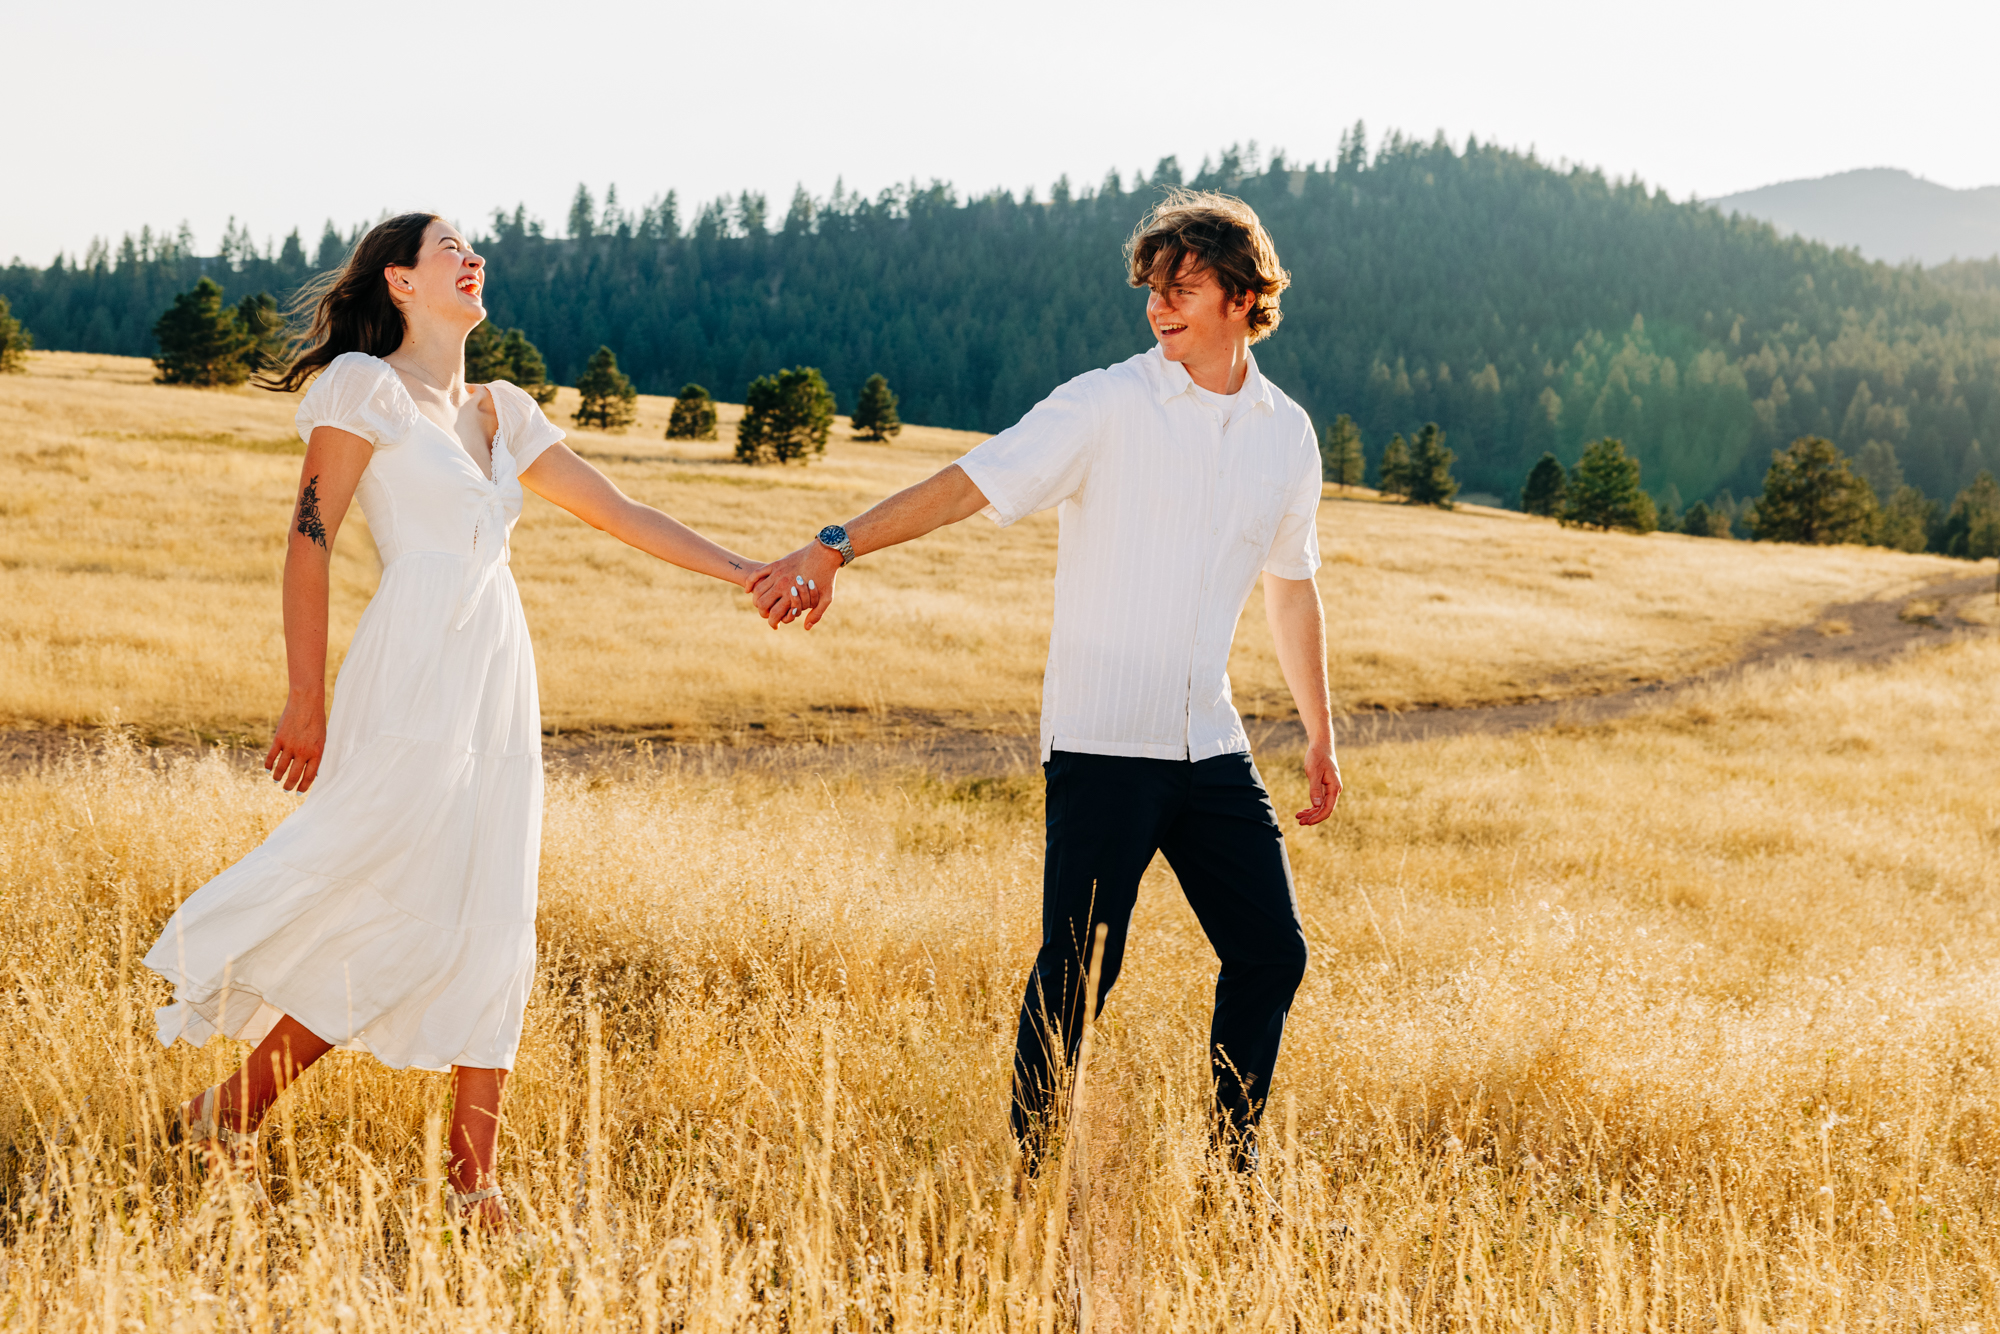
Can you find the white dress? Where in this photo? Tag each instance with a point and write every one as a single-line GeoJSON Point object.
{"type": "Point", "coordinates": [394, 911]}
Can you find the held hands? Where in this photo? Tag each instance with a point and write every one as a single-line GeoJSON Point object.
{"type": "Point", "coordinates": [800, 584]}
{"type": "Point", "coordinates": [295, 751]}
{"type": "Point", "coordinates": [1322, 780]}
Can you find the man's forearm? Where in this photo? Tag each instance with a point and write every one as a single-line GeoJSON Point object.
{"type": "Point", "coordinates": [1298, 629]}
{"type": "Point", "coordinates": [944, 497]}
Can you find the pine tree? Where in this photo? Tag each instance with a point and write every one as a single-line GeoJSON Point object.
{"type": "Point", "coordinates": [495, 354]}
{"type": "Point", "coordinates": [784, 416]}
{"type": "Point", "coordinates": [1972, 529]}
{"type": "Point", "coordinates": [331, 248]}
{"type": "Point", "coordinates": [582, 214]}
{"type": "Point", "coordinates": [202, 342]}
{"type": "Point", "coordinates": [527, 370]}
{"type": "Point", "coordinates": [610, 402]}
{"type": "Point", "coordinates": [1542, 493]}
{"type": "Point", "coordinates": [693, 417]}
{"type": "Point", "coordinates": [1907, 520]}
{"type": "Point", "coordinates": [875, 410]}
{"type": "Point", "coordinates": [1395, 480]}
{"type": "Point", "coordinates": [1668, 507]}
{"type": "Point", "coordinates": [1811, 496]}
{"type": "Point", "coordinates": [14, 342]}
{"type": "Point", "coordinates": [1876, 465]}
{"type": "Point", "coordinates": [261, 319]}
{"type": "Point", "coordinates": [1603, 490]}
{"type": "Point", "coordinates": [1342, 459]}
{"type": "Point", "coordinates": [1698, 521]}
{"type": "Point", "coordinates": [1431, 482]}
{"type": "Point", "coordinates": [485, 357]}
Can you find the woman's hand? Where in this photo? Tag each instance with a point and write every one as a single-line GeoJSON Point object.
{"type": "Point", "coordinates": [745, 572]}
{"type": "Point", "coordinates": [295, 751]}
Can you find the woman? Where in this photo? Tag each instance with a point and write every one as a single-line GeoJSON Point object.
{"type": "Point", "coordinates": [394, 911]}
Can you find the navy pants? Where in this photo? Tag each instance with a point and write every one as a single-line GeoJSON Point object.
{"type": "Point", "coordinates": [1107, 816]}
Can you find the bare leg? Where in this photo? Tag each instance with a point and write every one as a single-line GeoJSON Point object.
{"type": "Point", "coordinates": [475, 1139]}
{"type": "Point", "coordinates": [279, 1059]}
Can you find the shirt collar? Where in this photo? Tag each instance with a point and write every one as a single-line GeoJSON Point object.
{"type": "Point", "coordinates": [1171, 380]}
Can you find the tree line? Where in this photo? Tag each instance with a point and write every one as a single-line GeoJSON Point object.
{"type": "Point", "coordinates": [1811, 493]}
{"type": "Point", "coordinates": [787, 415]}
{"type": "Point", "coordinates": [1524, 308]}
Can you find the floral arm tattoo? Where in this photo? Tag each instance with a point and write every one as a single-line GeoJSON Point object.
{"type": "Point", "coordinates": [310, 525]}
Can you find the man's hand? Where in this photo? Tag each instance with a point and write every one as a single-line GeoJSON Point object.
{"type": "Point", "coordinates": [801, 584]}
{"type": "Point", "coordinates": [1322, 782]}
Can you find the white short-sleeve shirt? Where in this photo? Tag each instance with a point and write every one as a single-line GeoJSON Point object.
{"type": "Point", "coordinates": [1169, 507]}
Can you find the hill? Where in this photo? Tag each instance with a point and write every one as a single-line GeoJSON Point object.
{"type": "Point", "coordinates": [142, 533]}
{"type": "Point", "coordinates": [1522, 307]}
{"type": "Point", "coordinates": [1884, 213]}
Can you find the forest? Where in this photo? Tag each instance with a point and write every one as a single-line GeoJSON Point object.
{"type": "Point", "coordinates": [1522, 306]}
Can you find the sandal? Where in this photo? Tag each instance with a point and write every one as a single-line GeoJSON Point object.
{"type": "Point", "coordinates": [205, 1127]}
{"type": "Point", "coordinates": [460, 1207]}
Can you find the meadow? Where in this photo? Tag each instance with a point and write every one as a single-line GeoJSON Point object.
{"type": "Point", "coordinates": [1683, 1022]}
{"type": "Point", "coordinates": [142, 534]}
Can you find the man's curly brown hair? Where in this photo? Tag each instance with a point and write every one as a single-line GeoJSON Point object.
{"type": "Point", "coordinates": [1222, 235]}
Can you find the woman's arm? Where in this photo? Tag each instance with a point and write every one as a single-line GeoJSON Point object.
{"type": "Point", "coordinates": [335, 460]}
{"type": "Point", "coordinates": [561, 478]}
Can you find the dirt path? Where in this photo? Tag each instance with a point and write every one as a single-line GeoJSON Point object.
{"type": "Point", "coordinates": [1857, 632]}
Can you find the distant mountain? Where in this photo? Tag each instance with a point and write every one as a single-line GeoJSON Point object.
{"type": "Point", "coordinates": [1884, 213]}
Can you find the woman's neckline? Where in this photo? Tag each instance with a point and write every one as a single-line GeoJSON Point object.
{"type": "Point", "coordinates": [490, 473]}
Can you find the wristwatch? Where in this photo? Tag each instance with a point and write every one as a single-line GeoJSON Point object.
{"type": "Point", "coordinates": [833, 535]}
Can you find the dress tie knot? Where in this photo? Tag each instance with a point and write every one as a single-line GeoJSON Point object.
{"type": "Point", "coordinates": [489, 553]}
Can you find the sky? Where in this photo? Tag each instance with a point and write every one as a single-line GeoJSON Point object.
{"type": "Point", "coordinates": [284, 116]}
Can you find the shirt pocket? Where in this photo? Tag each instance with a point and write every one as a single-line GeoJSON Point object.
{"type": "Point", "coordinates": [1262, 495]}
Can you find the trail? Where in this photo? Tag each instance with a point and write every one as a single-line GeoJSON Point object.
{"type": "Point", "coordinates": [1860, 633]}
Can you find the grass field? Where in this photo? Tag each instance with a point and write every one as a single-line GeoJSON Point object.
{"type": "Point", "coordinates": [1683, 1024]}
{"type": "Point", "coordinates": [1686, 1022]}
{"type": "Point", "coordinates": [142, 538]}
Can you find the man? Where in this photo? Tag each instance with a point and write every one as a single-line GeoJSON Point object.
{"type": "Point", "coordinates": [1180, 475]}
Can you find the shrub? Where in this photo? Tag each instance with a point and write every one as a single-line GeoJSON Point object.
{"type": "Point", "coordinates": [693, 417]}
{"type": "Point", "coordinates": [785, 416]}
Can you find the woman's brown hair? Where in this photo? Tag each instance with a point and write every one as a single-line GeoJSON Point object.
{"type": "Point", "coordinates": [350, 309]}
{"type": "Point", "coordinates": [1221, 235]}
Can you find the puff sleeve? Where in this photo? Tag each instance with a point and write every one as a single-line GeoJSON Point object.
{"type": "Point", "coordinates": [527, 429]}
{"type": "Point", "coordinates": [357, 393]}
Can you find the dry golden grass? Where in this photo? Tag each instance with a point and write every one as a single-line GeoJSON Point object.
{"type": "Point", "coordinates": [1687, 1023]}
{"type": "Point", "coordinates": [142, 536]}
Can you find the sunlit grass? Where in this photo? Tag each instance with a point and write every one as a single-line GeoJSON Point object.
{"type": "Point", "coordinates": [1686, 1023]}
{"type": "Point", "coordinates": [142, 537]}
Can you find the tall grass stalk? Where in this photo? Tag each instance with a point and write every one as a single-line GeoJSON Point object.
{"type": "Point", "coordinates": [1688, 1023]}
